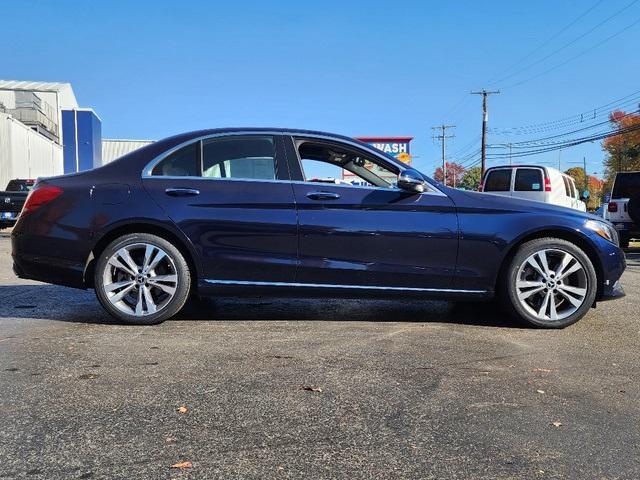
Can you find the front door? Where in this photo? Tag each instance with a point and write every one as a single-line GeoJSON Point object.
{"type": "Point", "coordinates": [358, 229]}
{"type": "Point", "coordinates": [231, 196]}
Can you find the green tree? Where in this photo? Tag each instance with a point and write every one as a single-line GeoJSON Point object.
{"type": "Point", "coordinates": [455, 171]}
{"type": "Point", "coordinates": [579, 176]}
{"type": "Point", "coordinates": [623, 150]}
{"type": "Point", "coordinates": [471, 179]}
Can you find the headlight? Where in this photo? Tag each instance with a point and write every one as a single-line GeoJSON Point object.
{"type": "Point", "coordinates": [605, 230]}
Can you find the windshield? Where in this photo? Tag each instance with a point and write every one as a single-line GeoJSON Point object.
{"type": "Point", "coordinates": [626, 185]}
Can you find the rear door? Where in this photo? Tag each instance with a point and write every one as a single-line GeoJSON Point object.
{"type": "Point", "coordinates": [498, 181]}
{"type": "Point", "coordinates": [529, 183]}
{"type": "Point", "coordinates": [232, 197]}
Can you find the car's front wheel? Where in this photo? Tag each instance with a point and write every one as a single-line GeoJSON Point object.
{"type": "Point", "coordinates": [142, 279]}
{"type": "Point", "coordinates": [550, 283]}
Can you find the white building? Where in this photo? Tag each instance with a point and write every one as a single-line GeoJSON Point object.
{"type": "Point", "coordinates": [25, 153]}
{"type": "Point", "coordinates": [31, 143]}
{"type": "Point", "coordinates": [112, 148]}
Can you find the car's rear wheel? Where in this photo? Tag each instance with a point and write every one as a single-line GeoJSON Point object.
{"type": "Point", "coordinates": [550, 283]}
{"type": "Point", "coordinates": [142, 279]}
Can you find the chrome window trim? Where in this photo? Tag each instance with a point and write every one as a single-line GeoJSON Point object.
{"type": "Point", "coordinates": [146, 171]}
{"type": "Point", "coordinates": [328, 285]}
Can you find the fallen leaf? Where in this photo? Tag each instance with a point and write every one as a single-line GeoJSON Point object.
{"type": "Point", "coordinates": [310, 388]}
{"type": "Point", "coordinates": [280, 467]}
{"type": "Point", "coordinates": [186, 464]}
{"type": "Point", "coordinates": [556, 424]}
{"type": "Point", "coordinates": [545, 370]}
{"type": "Point", "coordinates": [540, 391]}
{"type": "Point", "coordinates": [183, 409]}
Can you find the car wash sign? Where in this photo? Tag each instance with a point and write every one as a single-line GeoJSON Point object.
{"type": "Point", "coordinates": [395, 146]}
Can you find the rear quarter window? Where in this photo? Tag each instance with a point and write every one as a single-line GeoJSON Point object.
{"type": "Point", "coordinates": [498, 181]}
{"type": "Point", "coordinates": [528, 180]}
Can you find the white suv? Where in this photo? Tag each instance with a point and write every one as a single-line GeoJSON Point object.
{"type": "Point", "coordinates": [533, 182]}
{"type": "Point", "coordinates": [624, 206]}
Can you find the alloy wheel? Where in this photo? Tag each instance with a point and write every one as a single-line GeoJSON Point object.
{"type": "Point", "coordinates": [551, 284]}
{"type": "Point", "coordinates": [140, 279]}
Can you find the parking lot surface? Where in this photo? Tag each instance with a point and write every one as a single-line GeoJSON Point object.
{"type": "Point", "coordinates": [298, 388]}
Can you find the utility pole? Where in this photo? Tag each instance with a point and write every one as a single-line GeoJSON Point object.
{"type": "Point", "coordinates": [484, 94]}
{"type": "Point", "coordinates": [443, 138]}
{"type": "Point", "coordinates": [510, 159]}
{"type": "Point", "coordinates": [586, 175]}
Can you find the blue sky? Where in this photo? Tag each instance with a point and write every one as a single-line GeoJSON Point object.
{"type": "Point", "coordinates": [154, 68]}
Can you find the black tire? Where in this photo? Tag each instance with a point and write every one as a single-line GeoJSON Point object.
{"type": "Point", "coordinates": [174, 260]}
{"type": "Point", "coordinates": [633, 208]}
{"type": "Point", "coordinates": [624, 241]}
{"type": "Point", "coordinates": [509, 292]}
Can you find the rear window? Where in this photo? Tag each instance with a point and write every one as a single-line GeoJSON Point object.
{"type": "Point", "coordinates": [498, 181]}
{"type": "Point", "coordinates": [20, 186]}
{"type": "Point", "coordinates": [528, 180]}
{"type": "Point", "coordinates": [626, 185]}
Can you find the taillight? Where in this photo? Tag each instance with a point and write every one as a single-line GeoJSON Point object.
{"type": "Point", "coordinates": [39, 196]}
{"type": "Point", "coordinates": [613, 207]}
{"type": "Point", "coordinates": [547, 184]}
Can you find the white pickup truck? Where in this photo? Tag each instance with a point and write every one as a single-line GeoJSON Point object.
{"type": "Point", "coordinates": [624, 207]}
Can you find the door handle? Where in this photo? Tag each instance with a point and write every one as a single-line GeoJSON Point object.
{"type": "Point", "coordinates": [323, 196]}
{"type": "Point", "coordinates": [182, 192]}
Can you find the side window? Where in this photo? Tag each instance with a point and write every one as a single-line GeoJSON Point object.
{"type": "Point", "coordinates": [567, 188]}
{"type": "Point", "coordinates": [528, 180]}
{"type": "Point", "coordinates": [498, 181]}
{"type": "Point", "coordinates": [574, 192]}
{"type": "Point", "coordinates": [182, 163]}
{"type": "Point", "coordinates": [244, 158]}
{"type": "Point", "coordinates": [328, 163]}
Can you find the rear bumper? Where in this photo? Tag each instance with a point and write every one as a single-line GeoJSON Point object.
{"type": "Point", "coordinates": [29, 263]}
{"type": "Point", "coordinates": [627, 228]}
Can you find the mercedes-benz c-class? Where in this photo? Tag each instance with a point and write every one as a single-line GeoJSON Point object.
{"type": "Point", "coordinates": [269, 212]}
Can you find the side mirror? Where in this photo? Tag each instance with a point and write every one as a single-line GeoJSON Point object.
{"type": "Point", "coordinates": [585, 196]}
{"type": "Point", "coordinates": [411, 181]}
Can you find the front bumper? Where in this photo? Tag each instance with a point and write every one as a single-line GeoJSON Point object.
{"type": "Point", "coordinates": [611, 292]}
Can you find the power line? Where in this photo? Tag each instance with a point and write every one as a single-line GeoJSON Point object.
{"type": "Point", "coordinates": [549, 40]}
{"type": "Point", "coordinates": [544, 140]}
{"type": "Point", "coordinates": [575, 57]}
{"type": "Point", "coordinates": [564, 46]}
{"type": "Point", "coordinates": [571, 142]}
{"type": "Point", "coordinates": [577, 119]}
{"type": "Point", "coordinates": [443, 138]}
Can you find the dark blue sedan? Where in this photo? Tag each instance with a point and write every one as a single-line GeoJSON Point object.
{"type": "Point", "coordinates": [266, 211]}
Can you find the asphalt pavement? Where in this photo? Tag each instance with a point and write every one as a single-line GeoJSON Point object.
{"type": "Point", "coordinates": [296, 388]}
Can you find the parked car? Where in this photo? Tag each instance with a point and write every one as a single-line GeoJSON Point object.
{"type": "Point", "coordinates": [532, 182]}
{"type": "Point", "coordinates": [601, 211]}
{"type": "Point", "coordinates": [624, 206]}
{"type": "Point", "coordinates": [231, 211]}
{"type": "Point", "coordinates": [13, 199]}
